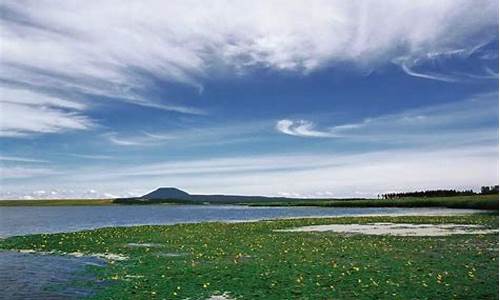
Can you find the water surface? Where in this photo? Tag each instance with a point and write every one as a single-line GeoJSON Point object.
{"type": "Point", "coordinates": [24, 220]}
{"type": "Point", "coordinates": [35, 276]}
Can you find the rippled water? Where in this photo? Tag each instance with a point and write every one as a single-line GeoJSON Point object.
{"type": "Point", "coordinates": [50, 219]}
{"type": "Point", "coordinates": [34, 276]}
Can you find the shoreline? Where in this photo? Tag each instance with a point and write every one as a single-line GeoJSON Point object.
{"type": "Point", "coordinates": [488, 202]}
{"type": "Point", "coordinates": [252, 259]}
{"type": "Point", "coordinates": [445, 212]}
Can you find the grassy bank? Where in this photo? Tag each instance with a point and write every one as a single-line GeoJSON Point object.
{"type": "Point", "coordinates": [56, 202]}
{"type": "Point", "coordinates": [252, 261]}
{"type": "Point", "coordinates": [489, 202]}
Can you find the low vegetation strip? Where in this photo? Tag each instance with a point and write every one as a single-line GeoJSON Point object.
{"type": "Point", "coordinates": [489, 202]}
{"type": "Point", "coordinates": [256, 261]}
{"type": "Point", "coordinates": [56, 202]}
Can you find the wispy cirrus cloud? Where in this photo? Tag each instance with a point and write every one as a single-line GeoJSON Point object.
{"type": "Point", "coordinates": [21, 120]}
{"type": "Point", "coordinates": [143, 139]}
{"type": "Point", "coordinates": [302, 128]}
{"type": "Point", "coordinates": [129, 142]}
{"type": "Point", "coordinates": [92, 156]}
{"type": "Point", "coordinates": [183, 41]}
{"type": "Point", "coordinates": [24, 112]}
{"type": "Point", "coordinates": [437, 66]}
{"type": "Point", "coordinates": [306, 175]}
{"type": "Point", "coordinates": [471, 119]}
{"type": "Point", "coordinates": [196, 135]}
{"type": "Point", "coordinates": [453, 145]}
{"type": "Point", "coordinates": [116, 51]}
{"type": "Point", "coordinates": [21, 159]}
{"type": "Point", "coordinates": [21, 172]}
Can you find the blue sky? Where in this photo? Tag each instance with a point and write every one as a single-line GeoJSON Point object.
{"type": "Point", "coordinates": [310, 99]}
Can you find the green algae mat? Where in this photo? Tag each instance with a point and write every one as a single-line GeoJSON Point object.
{"type": "Point", "coordinates": [257, 261]}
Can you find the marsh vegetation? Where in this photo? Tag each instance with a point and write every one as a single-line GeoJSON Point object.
{"type": "Point", "coordinates": [255, 261]}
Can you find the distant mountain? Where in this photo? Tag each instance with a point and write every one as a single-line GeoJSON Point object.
{"type": "Point", "coordinates": [167, 193]}
{"type": "Point", "coordinates": [175, 195]}
{"type": "Point", "coordinates": [172, 194]}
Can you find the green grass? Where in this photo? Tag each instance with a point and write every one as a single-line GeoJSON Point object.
{"type": "Point", "coordinates": [56, 202]}
{"type": "Point", "coordinates": [251, 261]}
{"type": "Point", "coordinates": [489, 202]}
{"type": "Point", "coordinates": [473, 202]}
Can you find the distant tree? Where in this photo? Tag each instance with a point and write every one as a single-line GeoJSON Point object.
{"type": "Point", "coordinates": [485, 190]}
{"type": "Point", "coordinates": [429, 193]}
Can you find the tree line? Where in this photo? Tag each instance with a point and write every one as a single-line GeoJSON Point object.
{"type": "Point", "coordinates": [485, 190]}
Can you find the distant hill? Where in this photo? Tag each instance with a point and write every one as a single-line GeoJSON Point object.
{"type": "Point", "coordinates": [175, 195]}
{"type": "Point", "coordinates": [167, 193]}
{"type": "Point", "coordinates": [172, 194]}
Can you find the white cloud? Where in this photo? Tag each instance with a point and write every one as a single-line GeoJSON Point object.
{"type": "Point", "coordinates": [341, 174]}
{"type": "Point", "coordinates": [57, 193]}
{"type": "Point", "coordinates": [302, 128]}
{"type": "Point", "coordinates": [463, 120]}
{"type": "Point", "coordinates": [92, 156]}
{"type": "Point", "coordinates": [111, 49]}
{"type": "Point", "coordinates": [33, 98]}
{"type": "Point", "coordinates": [326, 175]}
{"type": "Point", "coordinates": [21, 159]}
{"type": "Point", "coordinates": [145, 139]}
{"type": "Point", "coordinates": [451, 145]}
{"type": "Point", "coordinates": [20, 120]}
{"type": "Point", "coordinates": [435, 66]}
{"type": "Point", "coordinates": [24, 112]}
{"type": "Point", "coordinates": [18, 172]}
{"type": "Point", "coordinates": [179, 40]}
{"type": "Point", "coordinates": [122, 142]}
{"type": "Point", "coordinates": [206, 134]}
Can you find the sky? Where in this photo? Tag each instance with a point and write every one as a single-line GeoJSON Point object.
{"type": "Point", "coordinates": [278, 98]}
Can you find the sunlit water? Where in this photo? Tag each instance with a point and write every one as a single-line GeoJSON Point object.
{"type": "Point", "coordinates": [33, 276]}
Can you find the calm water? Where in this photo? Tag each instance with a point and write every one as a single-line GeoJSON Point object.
{"type": "Point", "coordinates": [29, 220]}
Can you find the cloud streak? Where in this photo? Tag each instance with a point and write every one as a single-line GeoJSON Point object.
{"type": "Point", "coordinates": [333, 174]}
{"type": "Point", "coordinates": [144, 139]}
{"type": "Point", "coordinates": [302, 128]}
{"type": "Point", "coordinates": [92, 156]}
{"type": "Point", "coordinates": [24, 112]}
{"type": "Point", "coordinates": [21, 159]}
{"type": "Point", "coordinates": [436, 65]}
{"type": "Point", "coordinates": [469, 120]}
{"type": "Point", "coordinates": [19, 172]}
{"type": "Point", "coordinates": [117, 51]}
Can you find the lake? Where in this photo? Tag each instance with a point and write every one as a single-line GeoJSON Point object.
{"type": "Point", "coordinates": [22, 220]}
{"type": "Point", "coordinates": [36, 276]}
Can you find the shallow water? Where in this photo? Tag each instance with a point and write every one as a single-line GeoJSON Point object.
{"type": "Point", "coordinates": [35, 276]}
{"type": "Point", "coordinates": [51, 219]}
